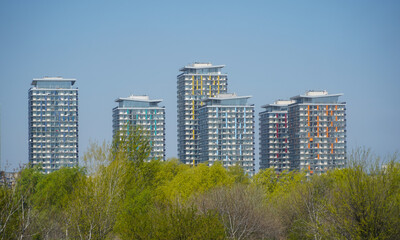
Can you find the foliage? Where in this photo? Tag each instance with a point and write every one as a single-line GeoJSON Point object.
{"type": "Point", "coordinates": [120, 195]}
{"type": "Point", "coordinates": [197, 180]}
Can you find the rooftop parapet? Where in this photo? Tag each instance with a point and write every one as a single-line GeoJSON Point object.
{"type": "Point", "coordinates": [202, 68]}
{"type": "Point", "coordinates": [279, 103]}
{"type": "Point", "coordinates": [53, 82]}
{"type": "Point", "coordinates": [138, 101]}
{"type": "Point", "coordinates": [227, 99]}
{"type": "Point", "coordinates": [319, 97]}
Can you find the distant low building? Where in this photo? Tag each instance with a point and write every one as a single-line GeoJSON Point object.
{"type": "Point", "coordinates": [8, 178]}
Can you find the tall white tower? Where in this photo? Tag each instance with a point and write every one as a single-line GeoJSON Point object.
{"type": "Point", "coordinates": [197, 82]}
{"type": "Point", "coordinates": [53, 123]}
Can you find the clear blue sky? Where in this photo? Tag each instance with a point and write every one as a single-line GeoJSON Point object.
{"type": "Point", "coordinates": [271, 49]}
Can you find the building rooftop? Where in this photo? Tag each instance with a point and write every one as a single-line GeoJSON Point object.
{"type": "Point", "coordinates": [53, 79]}
{"type": "Point", "coordinates": [316, 94]}
{"type": "Point", "coordinates": [230, 99]}
{"type": "Point", "coordinates": [138, 98]}
{"type": "Point", "coordinates": [198, 65]}
{"type": "Point", "coordinates": [279, 103]}
{"type": "Point", "coordinates": [224, 96]}
{"type": "Point", "coordinates": [317, 97]}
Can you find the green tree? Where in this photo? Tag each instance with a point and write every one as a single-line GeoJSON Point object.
{"type": "Point", "coordinates": [51, 198]}
{"type": "Point", "coordinates": [197, 179]}
{"type": "Point", "coordinates": [365, 203]}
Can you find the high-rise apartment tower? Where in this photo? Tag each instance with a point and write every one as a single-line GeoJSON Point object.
{"type": "Point", "coordinates": [274, 136]}
{"type": "Point", "coordinates": [317, 132]}
{"type": "Point", "coordinates": [53, 123]}
{"type": "Point", "coordinates": [140, 111]}
{"type": "Point", "coordinates": [197, 82]}
{"type": "Point", "coordinates": [226, 127]}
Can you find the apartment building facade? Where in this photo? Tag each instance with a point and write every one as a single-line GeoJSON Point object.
{"type": "Point", "coordinates": [53, 123]}
{"type": "Point", "coordinates": [317, 132]}
{"type": "Point", "coordinates": [197, 82]}
{"type": "Point", "coordinates": [141, 111]}
{"type": "Point", "coordinates": [226, 131]}
{"type": "Point", "coordinates": [274, 136]}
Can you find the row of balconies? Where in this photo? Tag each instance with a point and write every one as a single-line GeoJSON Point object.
{"type": "Point", "coordinates": [72, 128]}
{"type": "Point", "coordinates": [41, 100]}
{"type": "Point", "coordinates": [59, 93]}
{"type": "Point", "coordinates": [158, 146]}
{"type": "Point", "coordinates": [58, 118]}
{"type": "Point", "coordinates": [41, 137]}
{"type": "Point", "coordinates": [320, 140]}
{"type": "Point", "coordinates": [49, 113]}
{"type": "Point", "coordinates": [224, 153]}
{"type": "Point", "coordinates": [161, 124]}
{"type": "Point", "coordinates": [67, 140]}
{"type": "Point", "coordinates": [279, 162]}
{"type": "Point", "coordinates": [225, 137]}
{"type": "Point", "coordinates": [322, 131]}
{"type": "Point", "coordinates": [55, 152]}
{"type": "Point", "coordinates": [59, 127]}
{"type": "Point", "coordinates": [231, 142]}
{"type": "Point", "coordinates": [50, 136]}
{"type": "Point", "coordinates": [232, 162]}
{"type": "Point", "coordinates": [322, 113]}
{"type": "Point", "coordinates": [279, 141]}
{"type": "Point", "coordinates": [277, 151]}
{"type": "Point", "coordinates": [225, 146]}
{"type": "Point", "coordinates": [324, 158]}
{"type": "Point", "coordinates": [39, 149]}
{"type": "Point", "coordinates": [124, 119]}
{"type": "Point", "coordinates": [56, 123]}
{"type": "Point", "coordinates": [228, 130]}
{"type": "Point", "coordinates": [231, 113]}
{"type": "Point", "coordinates": [64, 156]}
{"type": "Point", "coordinates": [55, 164]}
{"type": "Point", "coordinates": [249, 121]}
{"type": "Point", "coordinates": [197, 80]}
{"type": "Point", "coordinates": [51, 105]}
{"type": "Point", "coordinates": [320, 163]}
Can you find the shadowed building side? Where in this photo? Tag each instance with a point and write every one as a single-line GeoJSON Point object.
{"type": "Point", "coordinates": [274, 136]}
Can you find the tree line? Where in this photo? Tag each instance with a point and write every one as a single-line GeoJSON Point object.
{"type": "Point", "coordinates": [117, 194]}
